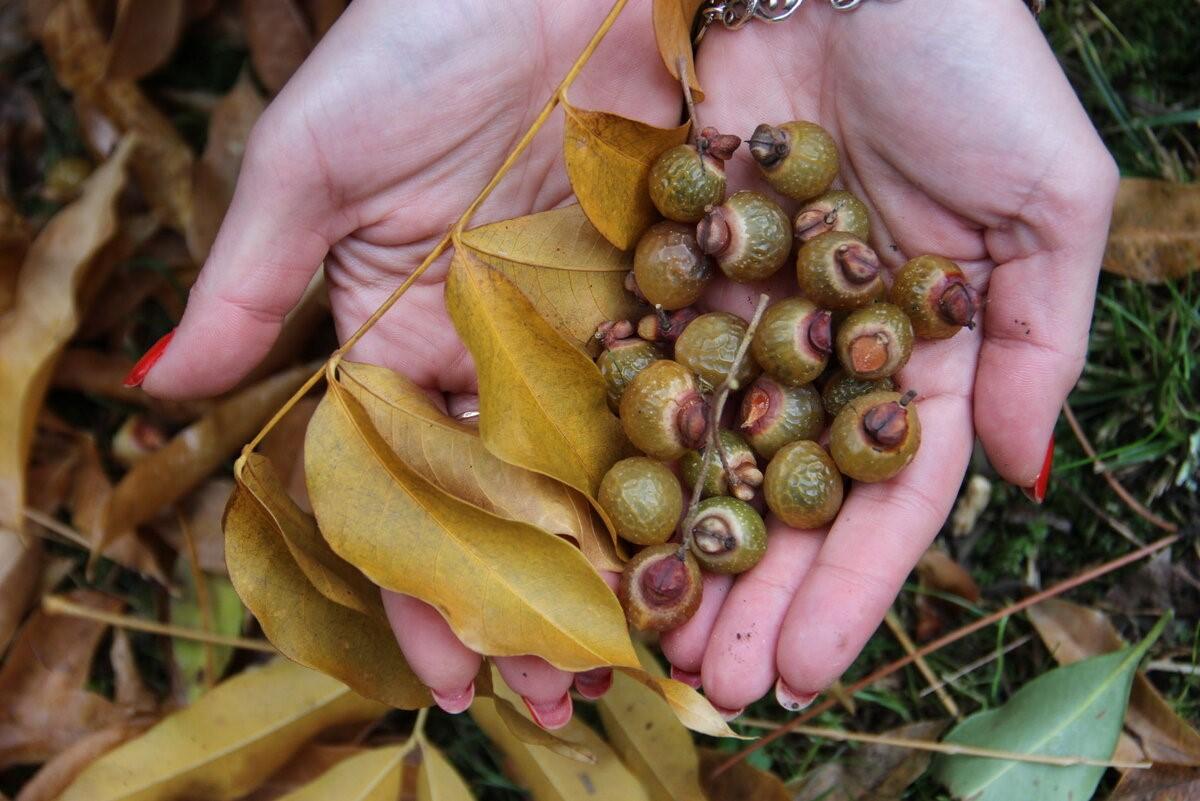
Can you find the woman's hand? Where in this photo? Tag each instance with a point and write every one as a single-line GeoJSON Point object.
{"type": "Point", "coordinates": [960, 132]}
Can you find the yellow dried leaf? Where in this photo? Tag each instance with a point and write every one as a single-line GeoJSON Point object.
{"type": "Point", "coordinates": [379, 774]}
{"type": "Point", "coordinates": [692, 708]}
{"type": "Point", "coordinates": [228, 742]}
{"type": "Point", "coordinates": [438, 780]}
{"type": "Point", "coordinates": [451, 454]}
{"type": "Point", "coordinates": [55, 776]}
{"type": "Point", "coordinates": [569, 272]}
{"type": "Point", "coordinates": [1155, 233]}
{"type": "Point", "coordinates": [505, 588]}
{"type": "Point", "coordinates": [542, 402]}
{"type": "Point", "coordinates": [673, 33]}
{"type": "Point", "coordinates": [45, 317]}
{"type": "Point", "coordinates": [144, 36]}
{"type": "Point", "coordinates": [608, 162]}
{"type": "Point", "coordinates": [489, 684]}
{"type": "Point", "coordinates": [352, 643]}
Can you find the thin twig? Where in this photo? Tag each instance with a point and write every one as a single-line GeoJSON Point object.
{"type": "Point", "coordinates": [944, 748]}
{"type": "Point", "coordinates": [687, 98]}
{"type": "Point", "coordinates": [56, 527]}
{"type": "Point", "coordinates": [444, 242]}
{"type": "Point", "coordinates": [715, 411]}
{"type": "Point", "coordinates": [1167, 666]}
{"type": "Point", "coordinates": [57, 605]}
{"type": "Point", "coordinates": [893, 623]}
{"type": "Point", "coordinates": [978, 663]}
{"type": "Point", "coordinates": [952, 637]}
{"type": "Point", "coordinates": [1117, 487]}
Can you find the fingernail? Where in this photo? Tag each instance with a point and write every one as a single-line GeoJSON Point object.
{"type": "Point", "coordinates": [1037, 493]}
{"type": "Point", "coordinates": [453, 703]}
{"type": "Point", "coordinates": [730, 715]}
{"type": "Point", "coordinates": [138, 374]}
{"type": "Point", "coordinates": [690, 679]}
{"type": "Point", "coordinates": [551, 716]}
{"type": "Point", "coordinates": [791, 700]}
{"type": "Point", "coordinates": [592, 684]}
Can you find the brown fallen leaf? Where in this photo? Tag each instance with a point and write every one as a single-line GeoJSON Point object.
{"type": "Point", "coordinates": [568, 271]}
{"type": "Point", "coordinates": [45, 317]}
{"type": "Point", "coordinates": [22, 132]}
{"type": "Point", "coordinates": [217, 170]}
{"type": "Point", "coordinates": [742, 782]}
{"type": "Point", "coordinates": [1155, 232]}
{"type": "Point", "coordinates": [14, 243]}
{"type": "Point", "coordinates": [202, 510]}
{"type": "Point", "coordinates": [1160, 783]}
{"type": "Point", "coordinates": [144, 37]}
{"type": "Point", "coordinates": [162, 164]}
{"type": "Point", "coordinates": [102, 374]}
{"type": "Point", "coordinates": [323, 13]}
{"type": "Point", "coordinates": [608, 161]}
{"type": "Point", "coordinates": [20, 571]}
{"type": "Point", "coordinates": [279, 39]}
{"type": "Point", "coordinates": [44, 706]}
{"type": "Point", "coordinates": [542, 402]}
{"type": "Point", "coordinates": [375, 774]}
{"type": "Point", "coordinates": [131, 693]}
{"type": "Point", "coordinates": [875, 772]}
{"type": "Point", "coordinates": [175, 470]}
{"type": "Point", "coordinates": [59, 772]}
{"type": "Point", "coordinates": [451, 454]}
{"type": "Point", "coordinates": [938, 571]}
{"type": "Point", "coordinates": [673, 33]}
{"type": "Point", "coordinates": [1072, 633]}
{"type": "Point", "coordinates": [228, 742]}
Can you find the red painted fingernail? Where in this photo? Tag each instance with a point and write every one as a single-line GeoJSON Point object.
{"type": "Point", "coordinates": [551, 716]}
{"type": "Point", "coordinates": [730, 715]}
{"type": "Point", "coordinates": [453, 703]}
{"type": "Point", "coordinates": [138, 374]}
{"type": "Point", "coordinates": [690, 679]}
{"type": "Point", "coordinates": [791, 700]}
{"type": "Point", "coordinates": [1037, 493]}
{"type": "Point", "coordinates": [592, 684]}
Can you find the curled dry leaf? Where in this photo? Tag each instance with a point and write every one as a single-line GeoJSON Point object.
{"type": "Point", "coordinates": [568, 271]}
{"type": "Point", "coordinates": [938, 570]}
{"type": "Point", "coordinates": [542, 402]}
{"type": "Point", "coordinates": [279, 39]}
{"type": "Point", "coordinates": [742, 782]}
{"type": "Point", "coordinates": [673, 33]}
{"type": "Point", "coordinates": [144, 37]}
{"type": "Point", "coordinates": [191, 456]}
{"type": "Point", "coordinates": [1161, 783]}
{"type": "Point", "coordinates": [162, 164]}
{"type": "Point", "coordinates": [346, 636]}
{"type": "Point", "coordinates": [451, 454]}
{"type": "Point", "coordinates": [692, 708]}
{"type": "Point", "coordinates": [14, 243]}
{"type": "Point", "coordinates": [1155, 232]}
{"type": "Point", "coordinates": [874, 772]}
{"type": "Point", "coordinates": [20, 570]}
{"type": "Point", "coordinates": [505, 588]}
{"type": "Point", "coordinates": [489, 684]}
{"type": "Point", "coordinates": [217, 169]}
{"type": "Point", "coordinates": [608, 162]}
{"type": "Point", "coordinates": [44, 706]}
{"type": "Point", "coordinates": [45, 317]}
{"type": "Point", "coordinates": [228, 742]}
{"type": "Point", "coordinates": [378, 774]}
{"type": "Point", "coordinates": [1073, 632]}
{"type": "Point", "coordinates": [59, 772]}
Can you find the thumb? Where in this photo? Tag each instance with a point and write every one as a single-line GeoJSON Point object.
{"type": "Point", "coordinates": [271, 243]}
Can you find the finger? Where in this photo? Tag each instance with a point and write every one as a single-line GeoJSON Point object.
{"type": "Point", "coordinates": [544, 688]}
{"type": "Point", "coordinates": [880, 533]}
{"type": "Point", "coordinates": [739, 664]}
{"type": "Point", "coordinates": [435, 654]}
{"type": "Point", "coordinates": [274, 236]}
{"type": "Point", "coordinates": [1039, 309]}
{"type": "Point", "coordinates": [684, 646]}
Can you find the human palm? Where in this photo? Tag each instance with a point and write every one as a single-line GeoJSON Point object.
{"type": "Point", "coordinates": [956, 128]}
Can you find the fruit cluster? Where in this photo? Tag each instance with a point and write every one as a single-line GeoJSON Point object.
{"type": "Point", "coordinates": [847, 331]}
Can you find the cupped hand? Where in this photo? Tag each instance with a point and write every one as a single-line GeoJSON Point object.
{"type": "Point", "coordinates": [960, 132]}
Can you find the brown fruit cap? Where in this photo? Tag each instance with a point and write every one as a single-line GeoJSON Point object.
{"type": "Point", "coordinates": [660, 588]}
{"type": "Point", "coordinates": [718, 145]}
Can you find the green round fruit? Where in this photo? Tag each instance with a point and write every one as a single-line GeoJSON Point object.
{"type": "Point", "coordinates": [803, 486]}
{"type": "Point", "coordinates": [660, 588]}
{"type": "Point", "coordinates": [841, 388]}
{"type": "Point", "coordinates": [934, 293]}
{"type": "Point", "coordinates": [668, 267]}
{"type": "Point", "coordinates": [875, 341]}
{"type": "Point", "coordinates": [748, 235]}
{"type": "Point", "coordinates": [836, 210]}
{"type": "Point", "coordinates": [623, 360]}
{"type": "Point", "coordinates": [774, 414]}
{"type": "Point", "coordinates": [643, 500]}
{"type": "Point", "coordinates": [742, 462]}
{"type": "Point", "coordinates": [663, 412]}
{"type": "Point", "coordinates": [683, 183]}
{"type": "Point", "coordinates": [839, 272]}
{"type": "Point", "coordinates": [799, 159]}
{"type": "Point", "coordinates": [708, 346]}
{"type": "Point", "coordinates": [875, 436]}
{"type": "Point", "coordinates": [793, 341]}
{"type": "Point", "coordinates": [728, 535]}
